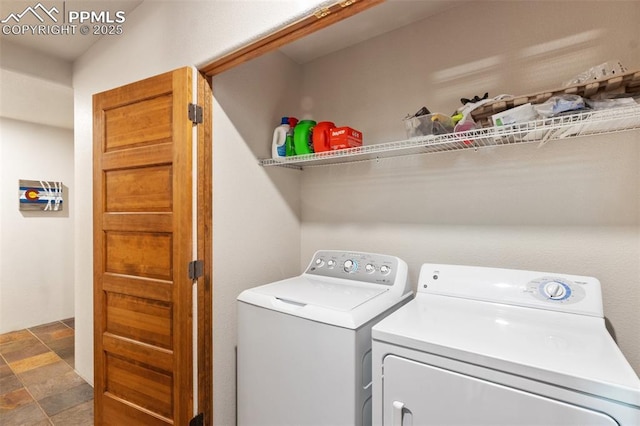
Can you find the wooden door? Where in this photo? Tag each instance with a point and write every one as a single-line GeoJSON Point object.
{"type": "Point", "coordinates": [144, 231]}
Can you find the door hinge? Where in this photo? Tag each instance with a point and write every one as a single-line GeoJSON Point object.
{"type": "Point", "coordinates": [197, 420]}
{"type": "Point", "coordinates": [322, 12]}
{"type": "Point", "coordinates": [195, 113]}
{"type": "Point", "coordinates": [196, 269]}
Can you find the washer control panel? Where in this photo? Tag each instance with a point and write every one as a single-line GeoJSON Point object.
{"type": "Point", "coordinates": [556, 289]}
{"type": "Point", "coordinates": [367, 267]}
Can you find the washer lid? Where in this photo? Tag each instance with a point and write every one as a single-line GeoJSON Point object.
{"type": "Point", "coordinates": [334, 301]}
{"type": "Point", "coordinates": [336, 295]}
{"type": "Point", "coordinates": [564, 349]}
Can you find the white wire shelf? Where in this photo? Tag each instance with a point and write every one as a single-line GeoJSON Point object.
{"type": "Point", "coordinates": [540, 131]}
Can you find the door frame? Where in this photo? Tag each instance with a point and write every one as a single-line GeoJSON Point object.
{"type": "Point", "coordinates": [204, 249]}
{"type": "Point", "coordinates": [320, 18]}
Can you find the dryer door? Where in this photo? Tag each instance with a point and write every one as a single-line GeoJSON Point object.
{"type": "Point", "coordinates": [420, 394]}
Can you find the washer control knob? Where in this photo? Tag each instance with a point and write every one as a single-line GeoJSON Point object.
{"type": "Point", "coordinates": [384, 269]}
{"type": "Point", "coordinates": [370, 268]}
{"type": "Point", "coordinates": [350, 266]}
{"type": "Point", "coordinates": [554, 290]}
{"type": "Point", "coordinates": [331, 263]}
{"type": "Point", "coordinates": [319, 263]}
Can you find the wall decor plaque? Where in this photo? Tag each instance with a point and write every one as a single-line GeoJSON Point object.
{"type": "Point", "coordinates": [42, 195]}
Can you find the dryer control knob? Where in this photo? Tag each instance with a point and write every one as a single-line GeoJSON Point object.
{"type": "Point", "coordinates": [555, 290]}
{"type": "Point", "coordinates": [350, 266]}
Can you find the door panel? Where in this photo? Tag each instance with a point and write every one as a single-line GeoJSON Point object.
{"type": "Point", "coordinates": [135, 318]}
{"type": "Point", "coordinates": [138, 189]}
{"type": "Point", "coordinates": [140, 385]}
{"type": "Point", "coordinates": [144, 123]}
{"type": "Point", "coordinates": [418, 394]}
{"type": "Point", "coordinates": [143, 243]}
{"type": "Point", "coordinates": [141, 254]}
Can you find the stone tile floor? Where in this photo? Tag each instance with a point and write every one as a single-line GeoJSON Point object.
{"type": "Point", "coordinates": [38, 385]}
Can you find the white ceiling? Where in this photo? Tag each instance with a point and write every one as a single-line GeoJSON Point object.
{"type": "Point", "coordinates": [63, 46]}
{"type": "Point", "coordinates": [380, 19]}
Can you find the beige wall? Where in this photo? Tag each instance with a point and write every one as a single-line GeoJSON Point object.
{"type": "Point", "coordinates": [36, 142]}
{"type": "Point", "coordinates": [36, 262]}
{"type": "Point", "coordinates": [256, 227]}
{"type": "Point", "coordinates": [571, 206]}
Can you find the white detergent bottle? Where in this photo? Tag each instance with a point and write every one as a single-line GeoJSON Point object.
{"type": "Point", "coordinates": [278, 149]}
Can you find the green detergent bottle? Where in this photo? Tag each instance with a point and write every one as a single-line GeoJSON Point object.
{"type": "Point", "coordinates": [289, 145]}
{"type": "Point", "coordinates": [302, 137]}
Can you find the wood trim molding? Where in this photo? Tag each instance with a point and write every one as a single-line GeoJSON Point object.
{"type": "Point", "coordinates": [205, 252]}
{"type": "Point", "coordinates": [321, 18]}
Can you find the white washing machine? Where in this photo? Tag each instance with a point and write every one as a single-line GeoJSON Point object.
{"type": "Point", "coordinates": [485, 346]}
{"type": "Point", "coordinates": [304, 343]}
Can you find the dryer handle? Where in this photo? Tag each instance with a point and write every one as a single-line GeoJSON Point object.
{"type": "Point", "coordinates": [398, 413]}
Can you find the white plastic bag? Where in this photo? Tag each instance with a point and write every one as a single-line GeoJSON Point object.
{"type": "Point", "coordinates": [558, 104]}
{"type": "Point", "coordinates": [607, 69]}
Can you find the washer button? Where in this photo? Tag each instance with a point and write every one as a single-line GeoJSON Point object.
{"type": "Point", "coordinates": [370, 268]}
{"type": "Point", "coordinates": [384, 269]}
{"type": "Point", "coordinates": [350, 266]}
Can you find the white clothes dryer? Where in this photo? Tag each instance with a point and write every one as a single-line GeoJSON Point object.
{"type": "Point", "coordinates": [486, 346]}
{"type": "Point", "coordinates": [304, 343]}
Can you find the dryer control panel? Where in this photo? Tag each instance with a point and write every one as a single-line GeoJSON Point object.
{"type": "Point", "coordinates": [556, 289]}
{"type": "Point", "coordinates": [357, 266]}
{"type": "Point", "coordinates": [543, 290]}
